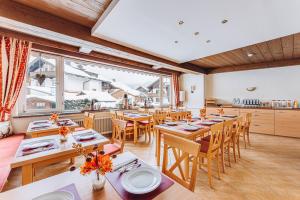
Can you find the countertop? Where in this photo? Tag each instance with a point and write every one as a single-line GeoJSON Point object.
{"type": "Point", "coordinates": [265, 108]}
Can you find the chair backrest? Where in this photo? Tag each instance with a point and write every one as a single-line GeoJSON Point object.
{"type": "Point", "coordinates": [91, 119]}
{"type": "Point", "coordinates": [182, 149]}
{"type": "Point", "coordinates": [86, 119]}
{"type": "Point", "coordinates": [159, 118]}
{"type": "Point", "coordinates": [239, 128]}
{"type": "Point", "coordinates": [113, 114]}
{"type": "Point", "coordinates": [248, 120]}
{"type": "Point", "coordinates": [176, 116]}
{"type": "Point", "coordinates": [120, 115]}
{"type": "Point", "coordinates": [119, 135]}
{"type": "Point", "coordinates": [216, 133]}
{"type": "Point", "coordinates": [227, 130]}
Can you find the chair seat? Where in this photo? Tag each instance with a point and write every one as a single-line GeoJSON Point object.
{"type": "Point", "coordinates": [145, 122]}
{"type": "Point", "coordinates": [129, 124]}
{"type": "Point", "coordinates": [111, 149]}
{"type": "Point", "coordinates": [79, 129]}
{"type": "Point", "coordinates": [204, 142]}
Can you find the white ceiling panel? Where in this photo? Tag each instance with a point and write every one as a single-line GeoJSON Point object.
{"type": "Point", "coordinates": [152, 25]}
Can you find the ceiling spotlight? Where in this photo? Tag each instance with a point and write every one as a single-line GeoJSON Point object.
{"type": "Point", "coordinates": [175, 41]}
{"type": "Point", "coordinates": [224, 21]}
{"type": "Point", "coordinates": [181, 22]}
{"type": "Point", "coordinates": [196, 33]}
{"type": "Point", "coordinates": [208, 41]}
{"type": "Point", "coordinates": [250, 54]}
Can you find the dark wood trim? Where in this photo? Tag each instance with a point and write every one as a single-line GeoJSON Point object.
{"type": "Point", "coordinates": [193, 67]}
{"type": "Point", "coordinates": [69, 50]}
{"type": "Point", "coordinates": [25, 14]}
{"type": "Point", "coordinates": [93, 56]}
{"type": "Point", "coordinates": [271, 64]}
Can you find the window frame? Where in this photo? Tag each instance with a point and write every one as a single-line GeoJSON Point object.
{"type": "Point", "coordinates": [21, 107]}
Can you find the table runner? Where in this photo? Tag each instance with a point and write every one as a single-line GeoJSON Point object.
{"type": "Point", "coordinates": [114, 179]}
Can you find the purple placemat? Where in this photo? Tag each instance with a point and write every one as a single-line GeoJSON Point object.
{"type": "Point", "coordinates": [114, 179]}
{"type": "Point", "coordinates": [72, 189]}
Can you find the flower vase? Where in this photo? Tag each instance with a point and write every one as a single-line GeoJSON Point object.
{"type": "Point", "coordinates": [99, 182]}
{"type": "Point", "coordinates": [63, 138]}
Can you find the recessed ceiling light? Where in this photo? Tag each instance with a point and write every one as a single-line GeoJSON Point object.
{"type": "Point", "coordinates": [181, 22]}
{"type": "Point", "coordinates": [208, 41]}
{"type": "Point", "coordinates": [250, 54]}
{"type": "Point", "coordinates": [224, 21]}
{"type": "Point", "coordinates": [175, 41]}
{"type": "Point", "coordinates": [196, 33]}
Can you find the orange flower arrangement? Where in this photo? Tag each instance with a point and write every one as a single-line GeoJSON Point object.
{"type": "Point", "coordinates": [99, 161]}
{"type": "Point", "coordinates": [54, 117]}
{"type": "Point", "coordinates": [203, 113]}
{"type": "Point", "coordinates": [63, 131]}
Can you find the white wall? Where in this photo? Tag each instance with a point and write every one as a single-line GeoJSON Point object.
{"type": "Point", "coordinates": [193, 101]}
{"type": "Point", "coordinates": [275, 83]}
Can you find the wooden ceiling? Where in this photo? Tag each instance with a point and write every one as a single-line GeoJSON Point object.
{"type": "Point", "coordinates": [84, 12]}
{"type": "Point", "coordinates": [269, 52]}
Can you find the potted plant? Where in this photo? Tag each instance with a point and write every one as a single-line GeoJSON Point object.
{"type": "Point", "coordinates": [63, 132]}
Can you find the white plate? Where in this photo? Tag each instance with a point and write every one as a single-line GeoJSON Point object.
{"type": "Point", "coordinates": [171, 123]}
{"type": "Point", "coordinates": [207, 123]}
{"type": "Point", "coordinates": [57, 195]}
{"type": "Point", "coordinates": [87, 136]}
{"type": "Point", "coordinates": [141, 180]}
{"type": "Point", "coordinates": [190, 128]}
{"type": "Point", "coordinates": [217, 120]}
{"type": "Point", "coordinates": [37, 144]}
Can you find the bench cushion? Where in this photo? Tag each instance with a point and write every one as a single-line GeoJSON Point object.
{"type": "Point", "coordinates": [8, 149]}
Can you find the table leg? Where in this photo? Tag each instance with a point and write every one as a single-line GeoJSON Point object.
{"type": "Point", "coordinates": [135, 134]}
{"type": "Point", "coordinates": [158, 141]}
{"type": "Point", "coordinates": [27, 174]}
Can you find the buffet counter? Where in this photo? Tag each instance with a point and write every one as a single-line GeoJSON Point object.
{"type": "Point", "coordinates": [278, 121]}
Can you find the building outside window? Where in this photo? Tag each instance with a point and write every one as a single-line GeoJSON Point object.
{"type": "Point", "coordinates": [80, 83]}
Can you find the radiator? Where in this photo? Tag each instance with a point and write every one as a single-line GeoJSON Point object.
{"type": "Point", "coordinates": [101, 124]}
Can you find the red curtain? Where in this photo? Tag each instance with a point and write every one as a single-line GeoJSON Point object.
{"type": "Point", "coordinates": [175, 81]}
{"type": "Point", "coordinates": [14, 55]}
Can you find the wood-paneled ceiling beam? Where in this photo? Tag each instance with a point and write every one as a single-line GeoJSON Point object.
{"type": "Point", "coordinates": [25, 14]}
{"type": "Point", "coordinates": [72, 51]}
{"type": "Point", "coordinates": [271, 64]}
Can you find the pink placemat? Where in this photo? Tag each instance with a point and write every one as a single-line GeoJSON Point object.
{"type": "Point", "coordinates": [114, 179]}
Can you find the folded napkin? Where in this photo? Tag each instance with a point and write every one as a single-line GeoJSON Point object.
{"type": "Point", "coordinates": [41, 122]}
{"type": "Point", "coordinates": [40, 127]}
{"type": "Point", "coordinates": [123, 159]}
{"type": "Point", "coordinates": [29, 148]}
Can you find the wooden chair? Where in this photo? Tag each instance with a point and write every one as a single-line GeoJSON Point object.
{"type": "Point", "coordinates": [236, 132]}
{"type": "Point", "coordinates": [210, 147]}
{"type": "Point", "coordinates": [146, 127]}
{"type": "Point", "coordinates": [182, 149]}
{"type": "Point", "coordinates": [246, 126]}
{"type": "Point", "coordinates": [118, 138]}
{"type": "Point", "coordinates": [226, 142]}
{"type": "Point", "coordinates": [88, 121]}
{"type": "Point", "coordinates": [129, 125]}
{"type": "Point", "coordinates": [176, 116]}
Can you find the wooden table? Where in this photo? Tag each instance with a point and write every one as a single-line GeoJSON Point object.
{"type": "Point", "coordinates": [64, 151]}
{"type": "Point", "coordinates": [51, 130]}
{"type": "Point", "coordinates": [136, 118]}
{"type": "Point", "coordinates": [84, 187]}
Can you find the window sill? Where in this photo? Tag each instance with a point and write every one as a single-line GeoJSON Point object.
{"type": "Point", "coordinates": [28, 115]}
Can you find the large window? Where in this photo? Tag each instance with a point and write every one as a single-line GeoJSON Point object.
{"type": "Point", "coordinates": [41, 84]}
{"type": "Point", "coordinates": [56, 83]}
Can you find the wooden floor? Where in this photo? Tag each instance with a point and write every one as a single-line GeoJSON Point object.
{"type": "Point", "coordinates": [269, 169]}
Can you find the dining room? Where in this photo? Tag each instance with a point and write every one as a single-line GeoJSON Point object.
{"type": "Point", "coordinates": [136, 99]}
